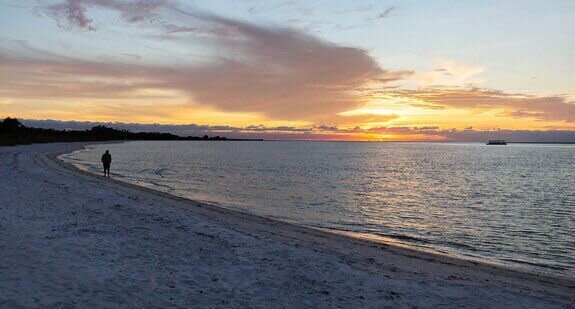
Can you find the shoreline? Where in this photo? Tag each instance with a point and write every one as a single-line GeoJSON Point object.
{"type": "Point", "coordinates": [516, 266]}
{"type": "Point", "coordinates": [258, 251]}
{"type": "Point", "coordinates": [410, 251]}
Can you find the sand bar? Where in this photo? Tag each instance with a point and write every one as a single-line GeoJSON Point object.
{"type": "Point", "coordinates": [72, 239]}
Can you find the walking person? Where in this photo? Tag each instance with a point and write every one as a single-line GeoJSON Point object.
{"type": "Point", "coordinates": [106, 161]}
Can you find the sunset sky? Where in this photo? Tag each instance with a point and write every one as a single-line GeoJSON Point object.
{"type": "Point", "coordinates": [353, 70]}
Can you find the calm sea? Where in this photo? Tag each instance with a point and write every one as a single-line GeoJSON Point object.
{"type": "Point", "coordinates": [511, 204]}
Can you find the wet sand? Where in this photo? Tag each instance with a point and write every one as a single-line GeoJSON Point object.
{"type": "Point", "coordinates": [72, 239]}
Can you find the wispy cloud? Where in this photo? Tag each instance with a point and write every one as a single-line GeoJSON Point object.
{"type": "Point", "coordinates": [280, 72]}
{"type": "Point", "coordinates": [387, 13]}
{"type": "Point", "coordinates": [450, 73]}
{"type": "Point", "coordinates": [73, 14]}
{"type": "Point", "coordinates": [551, 108]}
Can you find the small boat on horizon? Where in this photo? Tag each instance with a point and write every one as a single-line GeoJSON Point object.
{"type": "Point", "coordinates": [497, 142]}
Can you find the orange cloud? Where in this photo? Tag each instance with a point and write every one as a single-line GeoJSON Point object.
{"type": "Point", "coordinates": [312, 80]}
{"type": "Point", "coordinates": [279, 72]}
{"type": "Point", "coordinates": [548, 108]}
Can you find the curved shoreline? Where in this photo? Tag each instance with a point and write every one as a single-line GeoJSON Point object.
{"type": "Point", "coordinates": [200, 254]}
{"type": "Point", "coordinates": [409, 251]}
{"type": "Point", "coordinates": [378, 239]}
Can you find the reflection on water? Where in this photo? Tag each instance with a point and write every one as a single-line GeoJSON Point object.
{"type": "Point", "coordinates": [512, 203]}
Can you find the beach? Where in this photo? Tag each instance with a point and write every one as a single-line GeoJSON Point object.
{"type": "Point", "coordinates": [73, 239]}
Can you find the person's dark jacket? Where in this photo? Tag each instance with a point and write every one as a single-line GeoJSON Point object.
{"type": "Point", "coordinates": [106, 159]}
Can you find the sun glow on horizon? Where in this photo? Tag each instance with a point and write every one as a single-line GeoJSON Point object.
{"type": "Point", "coordinates": [173, 64]}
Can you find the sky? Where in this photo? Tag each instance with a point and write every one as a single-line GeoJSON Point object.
{"type": "Point", "coordinates": [326, 70]}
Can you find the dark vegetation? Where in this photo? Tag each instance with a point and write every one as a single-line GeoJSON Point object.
{"type": "Point", "coordinates": [12, 132]}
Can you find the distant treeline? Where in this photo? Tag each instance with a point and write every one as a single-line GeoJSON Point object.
{"type": "Point", "coordinates": [12, 132]}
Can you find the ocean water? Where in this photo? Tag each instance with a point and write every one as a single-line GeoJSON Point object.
{"type": "Point", "coordinates": [513, 204]}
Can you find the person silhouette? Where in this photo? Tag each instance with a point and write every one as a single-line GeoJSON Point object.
{"type": "Point", "coordinates": [107, 160]}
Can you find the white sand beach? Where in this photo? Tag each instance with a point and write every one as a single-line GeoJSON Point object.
{"type": "Point", "coordinates": [69, 239]}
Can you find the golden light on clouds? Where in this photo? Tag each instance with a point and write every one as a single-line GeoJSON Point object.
{"type": "Point", "coordinates": [206, 68]}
